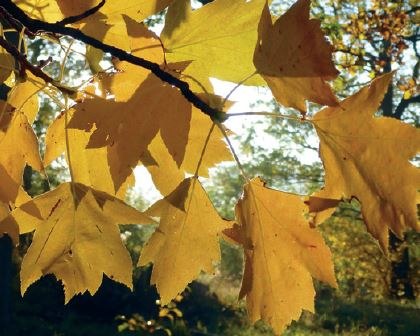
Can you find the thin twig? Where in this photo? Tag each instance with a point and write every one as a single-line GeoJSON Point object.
{"type": "Point", "coordinates": [69, 162]}
{"type": "Point", "coordinates": [34, 26]}
{"type": "Point", "coordinates": [63, 63]}
{"type": "Point", "coordinates": [269, 114]}
{"type": "Point", "coordinates": [241, 168]}
{"type": "Point", "coordinates": [236, 87]}
{"type": "Point", "coordinates": [25, 64]}
{"type": "Point", "coordinates": [203, 151]}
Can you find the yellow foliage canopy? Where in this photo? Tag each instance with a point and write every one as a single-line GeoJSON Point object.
{"type": "Point", "coordinates": [155, 106]}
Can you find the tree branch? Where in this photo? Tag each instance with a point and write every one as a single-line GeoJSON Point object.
{"type": "Point", "coordinates": [404, 103]}
{"type": "Point", "coordinates": [35, 26]}
{"type": "Point", "coordinates": [25, 64]}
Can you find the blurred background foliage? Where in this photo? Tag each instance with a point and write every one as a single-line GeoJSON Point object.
{"type": "Point", "coordinates": [374, 297]}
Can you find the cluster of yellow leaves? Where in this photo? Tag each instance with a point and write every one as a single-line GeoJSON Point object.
{"type": "Point", "coordinates": [139, 119]}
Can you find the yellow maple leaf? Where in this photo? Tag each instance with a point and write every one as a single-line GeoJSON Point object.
{"type": "Point", "coordinates": [214, 37]}
{"type": "Point", "coordinates": [165, 173]}
{"type": "Point", "coordinates": [143, 105]}
{"type": "Point", "coordinates": [76, 238]}
{"type": "Point", "coordinates": [9, 228]}
{"type": "Point", "coordinates": [45, 10]}
{"type": "Point", "coordinates": [129, 127]}
{"type": "Point", "coordinates": [162, 167]}
{"type": "Point", "coordinates": [186, 217]}
{"type": "Point", "coordinates": [367, 157]}
{"type": "Point", "coordinates": [143, 43]}
{"type": "Point", "coordinates": [7, 65]}
{"type": "Point", "coordinates": [109, 24]}
{"type": "Point", "coordinates": [18, 147]}
{"type": "Point", "coordinates": [24, 96]}
{"type": "Point", "coordinates": [75, 7]}
{"type": "Point", "coordinates": [282, 255]}
{"type": "Point", "coordinates": [294, 58]}
{"type": "Point", "coordinates": [89, 166]}
{"type": "Point", "coordinates": [138, 10]}
{"type": "Point", "coordinates": [106, 25]}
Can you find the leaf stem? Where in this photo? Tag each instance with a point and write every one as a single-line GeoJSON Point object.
{"type": "Point", "coordinates": [63, 63]}
{"type": "Point", "coordinates": [237, 86]}
{"type": "Point", "coordinates": [204, 150]}
{"type": "Point", "coordinates": [73, 189]}
{"type": "Point", "coordinates": [269, 114]}
{"type": "Point", "coordinates": [235, 156]}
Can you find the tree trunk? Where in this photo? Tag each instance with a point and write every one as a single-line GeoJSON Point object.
{"type": "Point", "coordinates": [6, 248]}
{"type": "Point", "coordinates": [401, 286]}
{"type": "Point", "coordinates": [400, 282]}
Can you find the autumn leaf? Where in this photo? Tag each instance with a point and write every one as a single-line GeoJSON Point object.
{"type": "Point", "coordinates": [9, 228]}
{"type": "Point", "coordinates": [165, 173]}
{"type": "Point", "coordinates": [106, 25]}
{"type": "Point", "coordinates": [45, 10]}
{"type": "Point", "coordinates": [109, 24]}
{"type": "Point", "coordinates": [282, 255]}
{"type": "Point", "coordinates": [143, 106]}
{"type": "Point", "coordinates": [214, 37]}
{"type": "Point", "coordinates": [138, 10]}
{"type": "Point", "coordinates": [186, 217]}
{"type": "Point", "coordinates": [367, 157]}
{"type": "Point", "coordinates": [7, 64]}
{"type": "Point", "coordinates": [75, 7]}
{"type": "Point", "coordinates": [18, 147]}
{"type": "Point", "coordinates": [294, 58]}
{"type": "Point", "coordinates": [89, 166]}
{"type": "Point", "coordinates": [24, 96]}
{"type": "Point", "coordinates": [76, 238]}
{"type": "Point", "coordinates": [129, 127]}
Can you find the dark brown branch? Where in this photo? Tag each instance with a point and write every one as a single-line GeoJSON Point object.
{"type": "Point", "coordinates": [404, 103]}
{"type": "Point", "coordinates": [25, 64]}
{"type": "Point", "coordinates": [76, 18]}
{"type": "Point", "coordinates": [368, 56]}
{"type": "Point", "coordinates": [413, 10]}
{"type": "Point", "coordinates": [36, 26]}
{"type": "Point", "coordinates": [412, 38]}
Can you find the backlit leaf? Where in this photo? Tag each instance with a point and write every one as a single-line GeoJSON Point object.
{"type": "Point", "coordinates": [7, 64]}
{"type": "Point", "coordinates": [89, 165]}
{"type": "Point", "coordinates": [143, 106]}
{"type": "Point", "coordinates": [367, 157]}
{"type": "Point", "coordinates": [14, 157]}
{"type": "Point", "coordinates": [9, 228]}
{"type": "Point", "coordinates": [45, 10]}
{"type": "Point", "coordinates": [294, 58]}
{"type": "Point", "coordinates": [166, 174]}
{"type": "Point", "coordinates": [282, 255]}
{"type": "Point", "coordinates": [215, 37]}
{"type": "Point", "coordinates": [76, 240]}
{"type": "Point", "coordinates": [109, 24]}
{"type": "Point", "coordinates": [24, 96]}
{"type": "Point", "coordinates": [129, 127]}
{"type": "Point", "coordinates": [186, 217]}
